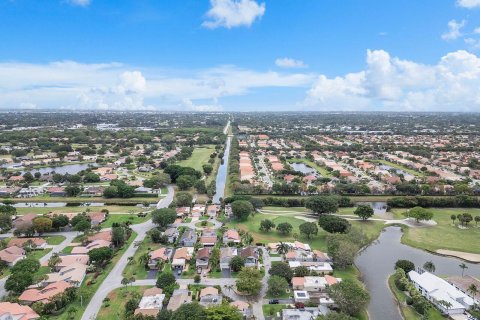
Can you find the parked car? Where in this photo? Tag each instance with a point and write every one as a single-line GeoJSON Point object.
{"type": "Point", "coordinates": [273, 301]}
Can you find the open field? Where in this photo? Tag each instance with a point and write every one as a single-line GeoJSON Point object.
{"type": "Point", "coordinates": [445, 235]}
{"type": "Point", "coordinates": [252, 225]}
{"type": "Point", "coordinates": [87, 291]}
{"type": "Point", "coordinates": [322, 170]}
{"type": "Point", "coordinates": [200, 156]}
{"type": "Point", "coordinates": [115, 308]}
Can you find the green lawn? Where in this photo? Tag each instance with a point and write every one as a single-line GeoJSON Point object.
{"type": "Point", "coordinates": [400, 167]}
{"type": "Point", "coordinates": [115, 308]}
{"type": "Point", "coordinates": [116, 209]}
{"type": "Point", "coordinates": [445, 235]}
{"type": "Point", "coordinates": [272, 309]}
{"type": "Point", "coordinates": [200, 156]}
{"type": "Point", "coordinates": [408, 312]}
{"type": "Point", "coordinates": [54, 240]}
{"type": "Point", "coordinates": [322, 170]}
{"type": "Point", "coordinates": [86, 290]}
{"type": "Point", "coordinates": [121, 218]}
{"type": "Point", "coordinates": [135, 268]}
{"type": "Point", "coordinates": [252, 225]}
{"type": "Point", "coordinates": [46, 198]}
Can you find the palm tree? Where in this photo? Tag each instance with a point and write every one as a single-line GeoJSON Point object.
{"type": "Point", "coordinates": [477, 220]}
{"type": "Point", "coordinates": [429, 266]}
{"type": "Point", "coordinates": [125, 282]}
{"type": "Point", "coordinates": [283, 248]}
{"type": "Point", "coordinates": [473, 290]}
{"type": "Point", "coordinates": [463, 266]}
{"type": "Point", "coordinates": [446, 304]}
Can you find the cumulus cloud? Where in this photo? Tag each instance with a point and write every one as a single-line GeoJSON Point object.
{"type": "Point", "coordinates": [290, 63]}
{"type": "Point", "coordinates": [80, 3]}
{"type": "Point", "coordinates": [233, 13]}
{"type": "Point", "coordinates": [389, 83]}
{"type": "Point", "coordinates": [454, 30]}
{"type": "Point", "coordinates": [469, 4]}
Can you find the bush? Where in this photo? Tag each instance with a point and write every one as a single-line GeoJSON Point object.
{"type": "Point", "coordinates": [406, 265]}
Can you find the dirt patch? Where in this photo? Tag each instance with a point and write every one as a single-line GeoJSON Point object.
{"type": "Point", "coordinates": [472, 257]}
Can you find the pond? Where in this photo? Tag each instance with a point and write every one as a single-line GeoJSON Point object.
{"type": "Point", "coordinates": [379, 207]}
{"type": "Point", "coordinates": [303, 168]}
{"type": "Point", "coordinates": [68, 168]}
{"type": "Point", "coordinates": [377, 261]}
{"type": "Point", "coordinates": [54, 204]}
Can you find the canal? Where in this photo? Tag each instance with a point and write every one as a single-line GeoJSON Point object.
{"type": "Point", "coordinates": [376, 264]}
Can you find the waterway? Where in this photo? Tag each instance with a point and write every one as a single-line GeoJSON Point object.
{"type": "Point", "coordinates": [221, 179]}
{"type": "Point", "coordinates": [68, 168]}
{"type": "Point", "coordinates": [376, 264]}
{"type": "Point", "coordinates": [303, 168]}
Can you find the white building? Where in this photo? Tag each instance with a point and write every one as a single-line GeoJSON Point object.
{"type": "Point", "coordinates": [440, 292]}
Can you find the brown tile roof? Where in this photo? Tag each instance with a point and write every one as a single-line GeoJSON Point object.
{"type": "Point", "coordinates": [17, 311]}
{"type": "Point", "coordinates": [43, 295]}
{"type": "Point", "coordinates": [19, 242]}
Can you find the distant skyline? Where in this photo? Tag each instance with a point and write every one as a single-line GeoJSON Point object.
{"type": "Point", "coordinates": [240, 55]}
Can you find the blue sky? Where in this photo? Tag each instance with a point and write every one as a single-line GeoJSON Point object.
{"type": "Point", "coordinates": [240, 54]}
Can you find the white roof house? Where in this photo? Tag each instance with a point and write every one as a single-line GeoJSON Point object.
{"type": "Point", "coordinates": [436, 290]}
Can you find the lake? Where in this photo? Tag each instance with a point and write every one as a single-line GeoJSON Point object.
{"type": "Point", "coordinates": [376, 263]}
{"type": "Point", "coordinates": [303, 168]}
{"type": "Point", "coordinates": [68, 168]}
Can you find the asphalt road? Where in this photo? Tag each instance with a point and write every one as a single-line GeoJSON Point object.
{"type": "Point", "coordinates": [114, 278]}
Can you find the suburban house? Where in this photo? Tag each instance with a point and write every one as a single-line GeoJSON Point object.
{"type": "Point", "coordinates": [243, 307]}
{"type": "Point", "coordinates": [226, 255]}
{"type": "Point", "coordinates": [313, 283]}
{"type": "Point", "coordinates": [15, 311]}
{"type": "Point", "coordinates": [171, 234]}
{"type": "Point", "coordinates": [304, 314]}
{"type": "Point", "coordinates": [73, 274]}
{"type": "Point", "coordinates": [179, 297]}
{"type": "Point", "coordinates": [9, 191]}
{"type": "Point", "coordinates": [151, 302]}
{"type": "Point", "coordinates": [436, 289]}
{"type": "Point", "coordinates": [102, 235]}
{"type": "Point", "coordinates": [97, 217]}
{"type": "Point", "coordinates": [12, 255]}
{"type": "Point", "coordinates": [25, 220]}
{"type": "Point", "coordinates": [68, 260]}
{"type": "Point", "coordinates": [57, 192]}
{"type": "Point", "coordinates": [162, 254]}
{"type": "Point", "coordinates": [209, 296]}
{"type": "Point", "coordinates": [231, 235]}
{"type": "Point", "coordinates": [92, 245]}
{"type": "Point", "coordinates": [31, 243]}
{"type": "Point", "coordinates": [182, 211]}
{"type": "Point", "coordinates": [212, 210]}
{"type": "Point", "coordinates": [198, 209]}
{"type": "Point", "coordinates": [93, 191]}
{"type": "Point", "coordinates": [181, 257]}
{"type": "Point", "coordinates": [251, 256]}
{"type": "Point", "coordinates": [319, 267]}
{"type": "Point", "coordinates": [208, 238]}
{"type": "Point", "coordinates": [44, 295]}
{"type": "Point", "coordinates": [202, 258]}
{"type": "Point", "coordinates": [188, 238]}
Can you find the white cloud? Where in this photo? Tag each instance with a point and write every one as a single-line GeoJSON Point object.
{"type": "Point", "coordinates": [80, 3]}
{"type": "Point", "coordinates": [468, 3]}
{"type": "Point", "coordinates": [476, 30]}
{"type": "Point", "coordinates": [454, 30]}
{"type": "Point", "coordinates": [73, 85]}
{"type": "Point", "coordinates": [290, 63]}
{"type": "Point", "coordinates": [233, 13]}
{"type": "Point", "coordinates": [389, 83]}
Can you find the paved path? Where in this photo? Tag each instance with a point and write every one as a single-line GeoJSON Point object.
{"type": "Point", "coordinates": [114, 278]}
